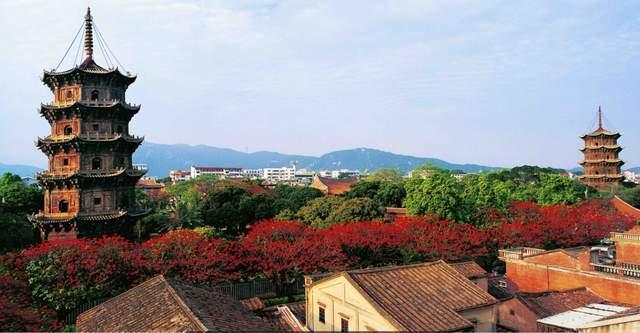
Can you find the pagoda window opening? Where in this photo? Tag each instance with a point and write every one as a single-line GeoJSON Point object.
{"type": "Point", "coordinates": [63, 206]}
{"type": "Point", "coordinates": [69, 95]}
{"type": "Point", "coordinates": [96, 163]}
{"type": "Point", "coordinates": [97, 201]}
{"type": "Point", "coordinates": [65, 162]}
{"type": "Point", "coordinates": [95, 95]}
{"type": "Point", "coordinates": [68, 130]}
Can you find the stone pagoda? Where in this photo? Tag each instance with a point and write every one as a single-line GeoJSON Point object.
{"type": "Point", "coordinates": [90, 182]}
{"type": "Point", "coordinates": [601, 163]}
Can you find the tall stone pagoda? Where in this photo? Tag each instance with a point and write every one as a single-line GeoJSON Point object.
{"type": "Point", "coordinates": [601, 163]}
{"type": "Point", "coordinates": [90, 182]}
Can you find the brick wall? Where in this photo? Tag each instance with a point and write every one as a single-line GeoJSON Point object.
{"type": "Point", "coordinates": [531, 277]}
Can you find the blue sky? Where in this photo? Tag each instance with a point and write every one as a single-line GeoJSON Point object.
{"type": "Point", "coordinates": [481, 81]}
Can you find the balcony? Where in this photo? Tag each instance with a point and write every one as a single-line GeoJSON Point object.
{"type": "Point", "coordinates": [518, 253]}
{"type": "Point", "coordinates": [617, 236]}
{"type": "Point", "coordinates": [622, 269]}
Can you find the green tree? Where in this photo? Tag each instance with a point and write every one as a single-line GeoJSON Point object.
{"type": "Point", "coordinates": [631, 196]}
{"type": "Point", "coordinates": [390, 194]}
{"type": "Point", "coordinates": [435, 191]}
{"type": "Point", "coordinates": [293, 198]}
{"type": "Point", "coordinates": [232, 208]}
{"type": "Point", "coordinates": [353, 210]}
{"type": "Point", "coordinates": [316, 211]}
{"type": "Point", "coordinates": [17, 200]}
{"type": "Point", "coordinates": [556, 190]}
{"type": "Point", "coordinates": [386, 175]}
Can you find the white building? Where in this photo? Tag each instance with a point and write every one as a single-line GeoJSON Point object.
{"type": "Point", "coordinates": [179, 175]}
{"type": "Point", "coordinates": [279, 174]}
{"type": "Point", "coordinates": [253, 173]}
{"type": "Point", "coordinates": [197, 171]}
{"type": "Point", "coordinates": [335, 174]}
{"type": "Point", "coordinates": [632, 177]}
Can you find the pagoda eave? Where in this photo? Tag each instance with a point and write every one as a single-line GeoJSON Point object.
{"type": "Point", "coordinates": [77, 74]}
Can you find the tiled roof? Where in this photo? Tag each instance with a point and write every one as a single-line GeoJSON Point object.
{"type": "Point", "coordinates": [253, 304]}
{"type": "Point", "coordinates": [337, 186]}
{"type": "Point", "coordinates": [551, 303]}
{"type": "Point", "coordinates": [423, 297]}
{"type": "Point", "coordinates": [299, 309]}
{"type": "Point", "coordinates": [629, 312]}
{"type": "Point", "coordinates": [161, 304]}
{"type": "Point", "coordinates": [470, 269]}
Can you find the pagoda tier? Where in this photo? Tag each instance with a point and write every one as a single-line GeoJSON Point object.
{"type": "Point", "coordinates": [69, 226]}
{"type": "Point", "coordinates": [104, 178]}
{"type": "Point", "coordinates": [116, 142]}
{"type": "Point", "coordinates": [602, 149]}
{"type": "Point", "coordinates": [602, 162]}
{"type": "Point", "coordinates": [109, 109]}
{"type": "Point", "coordinates": [87, 71]}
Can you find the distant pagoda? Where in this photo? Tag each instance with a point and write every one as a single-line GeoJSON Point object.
{"type": "Point", "coordinates": [601, 163]}
{"type": "Point", "coordinates": [90, 182]}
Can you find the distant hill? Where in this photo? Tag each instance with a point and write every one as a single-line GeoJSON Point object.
{"type": "Point", "coordinates": [161, 158]}
{"type": "Point", "coordinates": [20, 170]}
{"type": "Point", "coordinates": [634, 169]}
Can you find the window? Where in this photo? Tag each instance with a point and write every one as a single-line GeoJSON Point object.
{"type": "Point", "coordinates": [96, 163]}
{"type": "Point", "coordinates": [65, 162]}
{"type": "Point", "coordinates": [63, 206]}
{"type": "Point", "coordinates": [97, 201]}
{"type": "Point", "coordinates": [321, 315]}
{"type": "Point", "coordinates": [94, 95]}
{"type": "Point", "coordinates": [95, 127]}
{"type": "Point", "coordinates": [69, 94]}
{"type": "Point", "coordinates": [68, 130]}
{"type": "Point", "coordinates": [344, 325]}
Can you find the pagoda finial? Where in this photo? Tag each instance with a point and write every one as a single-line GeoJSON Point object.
{"type": "Point", "coordinates": [88, 35]}
{"type": "Point", "coordinates": [599, 117]}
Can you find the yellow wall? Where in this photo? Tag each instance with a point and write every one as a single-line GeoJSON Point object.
{"type": "Point", "coordinates": [341, 299]}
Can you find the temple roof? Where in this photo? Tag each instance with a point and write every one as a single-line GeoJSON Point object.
{"type": "Point", "coordinates": [601, 176]}
{"type": "Point", "coordinates": [613, 147]}
{"type": "Point", "coordinates": [88, 138]}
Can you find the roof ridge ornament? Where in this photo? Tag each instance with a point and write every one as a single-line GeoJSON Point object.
{"type": "Point", "coordinates": [88, 35]}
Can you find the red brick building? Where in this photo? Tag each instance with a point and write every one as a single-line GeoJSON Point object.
{"type": "Point", "coordinates": [601, 162]}
{"type": "Point", "coordinates": [89, 184]}
{"type": "Point", "coordinates": [610, 270]}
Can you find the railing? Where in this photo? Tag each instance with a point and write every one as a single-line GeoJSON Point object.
{"type": "Point", "coordinates": [518, 253]}
{"type": "Point", "coordinates": [624, 269]}
{"type": "Point", "coordinates": [101, 102]}
{"type": "Point", "coordinates": [624, 236]}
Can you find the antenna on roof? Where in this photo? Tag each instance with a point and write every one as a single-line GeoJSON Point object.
{"type": "Point", "coordinates": [88, 35]}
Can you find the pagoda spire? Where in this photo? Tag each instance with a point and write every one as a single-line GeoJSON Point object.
{"type": "Point", "coordinates": [599, 117]}
{"type": "Point", "coordinates": [88, 35]}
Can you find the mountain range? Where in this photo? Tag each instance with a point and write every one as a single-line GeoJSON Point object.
{"type": "Point", "coordinates": [162, 158]}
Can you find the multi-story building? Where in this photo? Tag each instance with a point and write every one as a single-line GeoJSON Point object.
{"type": "Point", "coordinates": [197, 171]}
{"type": "Point", "coordinates": [276, 175]}
{"type": "Point", "coordinates": [601, 162]}
{"type": "Point", "coordinates": [253, 173]}
{"type": "Point", "coordinates": [90, 181]}
{"type": "Point", "coordinates": [179, 175]}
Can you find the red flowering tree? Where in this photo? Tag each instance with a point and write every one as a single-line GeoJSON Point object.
{"type": "Point", "coordinates": [66, 274]}
{"type": "Point", "coordinates": [283, 251]}
{"type": "Point", "coordinates": [186, 255]}
{"type": "Point", "coordinates": [17, 311]}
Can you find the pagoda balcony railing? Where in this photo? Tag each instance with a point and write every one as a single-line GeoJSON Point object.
{"type": "Point", "coordinates": [622, 269]}
{"type": "Point", "coordinates": [518, 253]}
{"type": "Point", "coordinates": [93, 136]}
{"type": "Point", "coordinates": [100, 102]}
{"type": "Point", "coordinates": [624, 236]}
{"type": "Point", "coordinates": [69, 171]}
